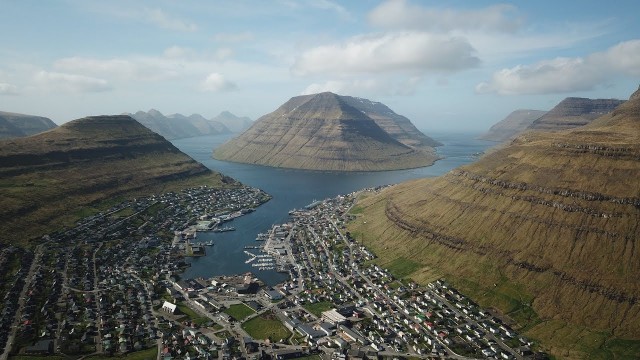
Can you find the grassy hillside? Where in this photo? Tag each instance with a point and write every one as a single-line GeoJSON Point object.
{"type": "Point", "coordinates": [544, 230]}
{"type": "Point", "coordinates": [49, 180]}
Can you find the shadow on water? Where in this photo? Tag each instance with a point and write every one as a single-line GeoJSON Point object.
{"type": "Point", "coordinates": [295, 189]}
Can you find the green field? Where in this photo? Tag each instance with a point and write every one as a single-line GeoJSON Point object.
{"type": "Point", "coordinates": [266, 326]}
{"type": "Point", "coordinates": [239, 311]}
{"type": "Point", "coordinates": [317, 308]}
{"type": "Point", "coordinates": [403, 267]}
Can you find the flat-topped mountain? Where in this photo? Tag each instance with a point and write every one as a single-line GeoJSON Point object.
{"type": "Point", "coordinates": [512, 125]}
{"type": "Point", "coordinates": [47, 178]}
{"type": "Point", "coordinates": [574, 112]}
{"type": "Point", "coordinates": [14, 125]}
{"type": "Point", "coordinates": [234, 123]}
{"type": "Point", "coordinates": [544, 229]}
{"type": "Point", "coordinates": [178, 126]}
{"type": "Point", "coordinates": [326, 132]}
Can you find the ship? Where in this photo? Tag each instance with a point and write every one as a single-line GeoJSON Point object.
{"type": "Point", "coordinates": [313, 204]}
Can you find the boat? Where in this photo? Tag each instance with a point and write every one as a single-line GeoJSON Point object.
{"type": "Point", "coordinates": [313, 204]}
{"type": "Point", "coordinates": [209, 243]}
{"type": "Point", "coordinates": [224, 229]}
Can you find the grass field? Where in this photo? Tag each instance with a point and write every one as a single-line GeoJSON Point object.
{"type": "Point", "coordinates": [266, 326]}
{"type": "Point", "coordinates": [403, 267]}
{"type": "Point", "coordinates": [148, 354]}
{"type": "Point", "coordinates": [239, 311]}
{"type": "Point", "coordinates": [192, 315]}
{"type": "Point", "coordinates": [317, 308]}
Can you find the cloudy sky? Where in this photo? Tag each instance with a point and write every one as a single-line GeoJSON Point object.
{"type": "Point", "coordinates": [459, 65]}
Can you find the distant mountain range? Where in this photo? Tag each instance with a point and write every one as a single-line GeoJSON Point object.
{"type": "Point", "coordinates": [573, 112]}
{"type": "Point", "coordinates": [331, 132]}
{"type": "Point", "coordinates": [545, 229]}
{"type": "Point", "coordinates": [515, 123]}
{"type": "Point", "coordinates": [47, 178]}
{"type": "Point", "coordinates": [14, 125]}
{"type": "Point", "coordinates": [179, 126]}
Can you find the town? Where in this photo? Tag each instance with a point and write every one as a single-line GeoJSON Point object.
{"type": "Point", "coordinates": [112, 286]}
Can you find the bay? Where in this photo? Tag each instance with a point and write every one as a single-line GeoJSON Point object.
{"type": "Point", "coordinates": [295, 189]}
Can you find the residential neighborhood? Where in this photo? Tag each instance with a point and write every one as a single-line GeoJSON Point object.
{"type": "Point", "coordinates": [112, 286]}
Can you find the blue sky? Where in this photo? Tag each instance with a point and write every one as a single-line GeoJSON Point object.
{"type": "Point", "coordinates": [460, 65]}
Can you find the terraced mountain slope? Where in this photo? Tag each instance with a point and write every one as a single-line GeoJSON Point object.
{"type": "Point", "coordinates": [574, 112]}
{"type": "Point", "coordinates": [178, 126]}
{"type": "Point", "coordinates": [14, 125]}
{"type": "Point", "coordinates": [398, 126]}
{"type": "Point", "coordinates": [545, 229]}
{"type": "Point", "coordinates": [512, 125]}
{"type": "Point", "coordinates": [46, 179]}
{"type": "Point", "coordinates": [322, 132]}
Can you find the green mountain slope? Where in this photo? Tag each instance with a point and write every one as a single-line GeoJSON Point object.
{"type": "Point", "coordinates": [45, 179]}
{"type": "Point", "coordinates": [545, 229]}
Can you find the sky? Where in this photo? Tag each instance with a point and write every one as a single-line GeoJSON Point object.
{"type": "Point", "coordinates": [446, 65]}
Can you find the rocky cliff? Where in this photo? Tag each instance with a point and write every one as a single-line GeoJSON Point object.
{"type": "Point", "coordinates": [512, 125]}
{"type": "Point", "coordinates": [544, 229]}
{"type": "Point", "coordinates": [14, 125]}
{"type": "Point", "coordinates": [324, 132]}
{"type": "Point", "coordinates": [574, 112]}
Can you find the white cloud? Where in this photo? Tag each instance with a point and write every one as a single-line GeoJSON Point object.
{"type": "Point", "coordinates": [403, 51]}
{"type": "Point", "coordinates": [8, 89]}
{"type": "Point", "coordinates": [216, 82]}
{"type": "Point", "coordinates": [55, 81]}
{"type": "Point", "coordinates": [159, 18]}
{"type": "Point", "coordinates": [398, 14]}
{"type": "Point", "coordinates": [563, 75]}
{"type": "Point", "coordinates": [332, 6]}
{"type": "Point", "coordinates": [177, 52]}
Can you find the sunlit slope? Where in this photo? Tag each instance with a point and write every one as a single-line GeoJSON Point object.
{"type": "Point", "coordinates": [47, 178]}
{"type": "Point", "coordinates": [322, 132]}
{"type": "Point", "coordinates": [546, 229]}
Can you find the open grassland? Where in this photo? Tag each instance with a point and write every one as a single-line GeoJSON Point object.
{"type": "Point", "coordinates": [317, 308]}
{"type": "Point", "coordinates": [266, 326]}
{"type": "Point", "coordinates": [239, 311]}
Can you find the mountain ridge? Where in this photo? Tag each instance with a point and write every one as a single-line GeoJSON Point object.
{"type": "Point", "coordinates": [574, 112]}
{"type": "Point", "coordinates": [46, 178]}
{"type": "Point", "coordinates": [543, 229]}
{"type": "Point", "coordinates": [14, 125]}
{"type": "Point", "coordinates": [512, 125]}
{"type": "Point", "coordinates": [322, 132]}
{"type": "Point", "coordinates": [177, 126]}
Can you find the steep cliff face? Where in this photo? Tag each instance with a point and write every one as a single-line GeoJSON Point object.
{"type": "Point", "coordinates": [574, 112]}
{"type": "Point", "coordinates": [14, 125]}
{"type": "Point", "coordinates": [49, 176]}
{"type": "Point", "coordinates": [512, 125]}
{"type": "Point", "coordinates": [322, 132]}
{"type": "Point", "coordinates": [546, 229]}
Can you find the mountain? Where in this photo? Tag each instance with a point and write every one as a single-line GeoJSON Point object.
{"type": "Point", "coordinates": [512, 125]}
{"type": "Point", "coordinates": [545, 229]}
{"type": "Point", "coordinates": [47, 178]}
{"type": "Point", "coordinates": [398, 126]}
{"type": "Point", "coordinates": [179, 126]}
{"type": "Point", "coordinates": [322, 132]}
{"type": "Point", "coordinates": [14, 125]}
{"type": "Point", "coordinates": [573, 112]}
{"type": "Point", "coordinates": [234, 123]}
